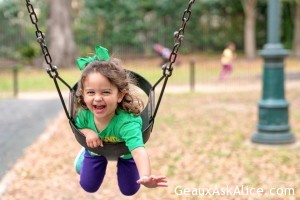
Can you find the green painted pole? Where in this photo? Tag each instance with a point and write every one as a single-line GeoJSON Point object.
{"type": "Point", "coordinates": [273, 126]}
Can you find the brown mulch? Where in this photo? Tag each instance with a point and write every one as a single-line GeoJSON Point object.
{"type": "Point", "coordinates": [199, 140]}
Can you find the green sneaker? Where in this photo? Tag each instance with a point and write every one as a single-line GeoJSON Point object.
{"type": "Point", "coordinates": [78, 160]}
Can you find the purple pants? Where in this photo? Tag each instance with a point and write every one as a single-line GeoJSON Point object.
{"type": "Point", "coordinates": [93, 171]}
{"type": "Point", "coordinates": [226, 70]}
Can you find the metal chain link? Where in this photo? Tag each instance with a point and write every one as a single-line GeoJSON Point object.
{"type": "Point", "coordinates": [168, 68]}
{"type": "Point", "coordinates": [40, 37]}
{"type": "Point", "coordinates": [51, 70]}
{"type": "Point", "coordinates": [179, 35]}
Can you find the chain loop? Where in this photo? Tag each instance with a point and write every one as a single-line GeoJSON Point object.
{"type": "Point", "coordinates": [178, 38]}
{"type": "Point", "coordinates": [52, 72]}
{"type": "Point", "coordinates": [40, 38]}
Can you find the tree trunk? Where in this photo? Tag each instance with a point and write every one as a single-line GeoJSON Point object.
{"type": "Point", "coordinates": [249, 28]}
{"type": "Point", "coordinates": [62, 46]}
{"type": "Point", "coordinates": [296, 39]}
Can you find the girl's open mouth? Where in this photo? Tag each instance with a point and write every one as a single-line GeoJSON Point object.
{"type": "Point", "coordinates": [99, 108]}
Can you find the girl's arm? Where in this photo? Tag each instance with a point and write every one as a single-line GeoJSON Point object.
{"type": "Point", "coordinates": [92, 139]}
{"type": "Point", "coordinates": [142, 161]}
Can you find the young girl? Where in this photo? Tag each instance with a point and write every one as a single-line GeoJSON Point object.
{"type": "Point", "coordinates": [227, 59]}
{"type": "Point", "coordinates": [108, 112]}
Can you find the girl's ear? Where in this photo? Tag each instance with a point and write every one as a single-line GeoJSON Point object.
{"type": "Point", "coordinates": [120, 96]}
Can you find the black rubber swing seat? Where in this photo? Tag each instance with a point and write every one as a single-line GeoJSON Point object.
{"type": "Point", "coordinates": [114, 150]}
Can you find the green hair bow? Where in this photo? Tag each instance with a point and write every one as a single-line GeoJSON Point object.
{"type": "Point", "coordinates": [101, 54]}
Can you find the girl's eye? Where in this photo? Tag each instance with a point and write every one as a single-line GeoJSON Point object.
{"type": "Point", "coordinates": [90, 92]}
{"type": "Point", "coordinates": [106, 92]}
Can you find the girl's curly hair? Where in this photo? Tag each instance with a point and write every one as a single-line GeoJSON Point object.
{"type": "Point", "coordinates": [118, 76]}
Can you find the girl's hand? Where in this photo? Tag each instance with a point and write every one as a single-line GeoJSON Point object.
{"type": "Point", "coordinates": [92, 139]}
{"type": "Point", "coordinates": [153, 181]}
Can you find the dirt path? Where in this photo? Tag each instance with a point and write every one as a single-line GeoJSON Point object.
{"type": "Point", "coordinates": [21, 122]}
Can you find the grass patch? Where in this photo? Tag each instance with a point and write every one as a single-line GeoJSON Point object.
{"type": "Point", "coordinates": [206, 71]}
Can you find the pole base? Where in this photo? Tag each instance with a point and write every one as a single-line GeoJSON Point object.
{"type": "Point", "coordinates": [273, 138]}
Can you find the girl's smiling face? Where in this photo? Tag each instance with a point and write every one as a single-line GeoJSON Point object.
{"type": "Point", "coordinates": [101, 97]}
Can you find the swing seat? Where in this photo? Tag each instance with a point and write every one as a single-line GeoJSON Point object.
{"type": "Point", "coordinates": [114, 150]}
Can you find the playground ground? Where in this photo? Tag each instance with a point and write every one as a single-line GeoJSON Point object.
{"type": "Point", "coordinates": [201, 142]}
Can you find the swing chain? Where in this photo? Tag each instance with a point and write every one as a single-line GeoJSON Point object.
{"type": "Point", "coordinates": [167, 69]}
{"type": "Point", "coordinates": [51, 70]}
